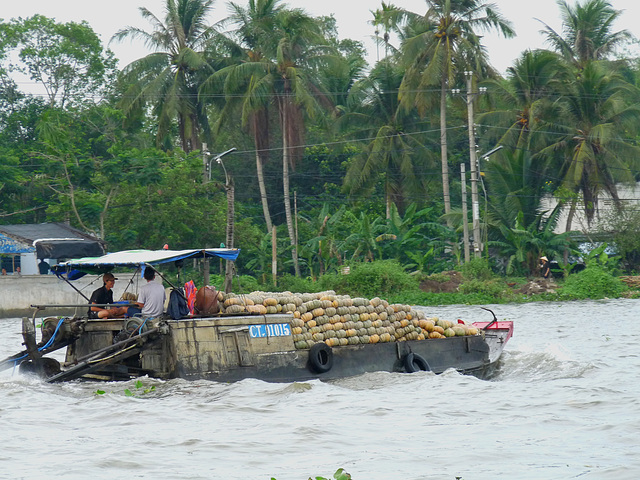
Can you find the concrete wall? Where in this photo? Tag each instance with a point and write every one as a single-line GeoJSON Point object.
{"type": "Point", "coordinates": [19, 292]}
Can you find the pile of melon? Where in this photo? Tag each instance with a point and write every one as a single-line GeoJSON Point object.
{"type": "Point", "coordinates": [342, 320]}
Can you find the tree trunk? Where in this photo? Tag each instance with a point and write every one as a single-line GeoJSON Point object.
{"type": "Point", "coordinates": [443, 146]}
{"type": "Point", "coordinates": [181, 133]}
{"type": "Point", "coordinates": [259, 123]}
{"type": "Point", "coordinates": [285, 183]}
{"type": "Point", "coordinates": [263, 193]}
{"type": "Point", "coordinates": [572, 211]}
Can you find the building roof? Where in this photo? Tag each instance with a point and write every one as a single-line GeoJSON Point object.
{"type": "Point", "coordinates": [49, 240]}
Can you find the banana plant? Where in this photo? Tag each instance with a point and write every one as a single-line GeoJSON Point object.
{"type": "Point", "coordinates": [522, 245]}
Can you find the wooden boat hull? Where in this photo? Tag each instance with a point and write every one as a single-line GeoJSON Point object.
{"type": "Point", "coordinates": [233, 348]}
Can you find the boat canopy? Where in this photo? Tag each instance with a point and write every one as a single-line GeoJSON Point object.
{"type": "Point", "coordinates": [79, 267]}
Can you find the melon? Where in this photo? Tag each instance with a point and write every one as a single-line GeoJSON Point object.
{"type": "Point", "coordinates": [459, 331]}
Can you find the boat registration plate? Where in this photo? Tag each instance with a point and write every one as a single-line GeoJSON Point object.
{"type": "Point", "coordinates": [270, 330]}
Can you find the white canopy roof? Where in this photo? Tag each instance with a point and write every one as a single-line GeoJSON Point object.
{"type": "Point", "coordinates": [137, 258]}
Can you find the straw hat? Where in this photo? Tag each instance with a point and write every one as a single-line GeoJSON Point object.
{"type": "Point", "coordinates": [544, 258]}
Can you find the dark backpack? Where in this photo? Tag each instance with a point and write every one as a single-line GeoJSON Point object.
{"type": "Point", "coordinates": [177, 307]}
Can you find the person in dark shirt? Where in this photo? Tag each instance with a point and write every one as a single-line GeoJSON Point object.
{"type": "Point", "coordinates": [43, 267]}
{"type": "Point", "coordinates": [104, 295]}
{"type": "Point", "coordinates": [545, 267]}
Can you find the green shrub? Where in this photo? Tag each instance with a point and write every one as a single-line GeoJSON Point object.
{"type": "Point", "coordinates": [476, 268]}
{"type": "Point", "coordinates": [245, 284]}
{"type": "Point", "coordinates": [291, 283]}
{"type": "Point", "coordinates": [440, 277]}
{"type": "Point", "coordinates": [594, 283]}
{"type": "Point", "coordinates": [371, 279]}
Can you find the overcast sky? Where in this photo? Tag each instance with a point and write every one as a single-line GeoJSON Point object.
{"type": "Point", "coordinates": [353, 17]}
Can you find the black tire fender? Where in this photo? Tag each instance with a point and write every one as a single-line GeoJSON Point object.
{"type": "Point", "coordinates": [320, 358]}
{"type": "Point", "coordinates": [414, 362]}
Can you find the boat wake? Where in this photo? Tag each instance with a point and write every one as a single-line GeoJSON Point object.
{"type": "Point", "coordinates": [530, 366]}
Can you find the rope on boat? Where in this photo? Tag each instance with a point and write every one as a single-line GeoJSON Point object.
{"type": "Point", "coordinates": [115, 354]}
{"type": "Point", "coordinates": [142, 325]}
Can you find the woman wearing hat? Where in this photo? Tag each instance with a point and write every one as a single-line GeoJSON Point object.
{"type": "Point", "coordinates": [104, 295]}
{"type": "Point", "coordinates": [545, 267]}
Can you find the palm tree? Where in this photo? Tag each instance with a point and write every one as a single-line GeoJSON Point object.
{"type": "Point", "coordinates": [298, 34]}
{"type": "Point", "coordinates": [587, 29]}
{"type": "Point", "coordinates": [344, 65]}
{"type": "Point", "coordinates": [389, 17]}
{"type": "Point", "coordinates": [600, 106]}
{"type": "Point", "coordinates": [283, 46]}
{"type": "Point", "coordinates": [248, 81]}
{"type": "Point", "coordinates": [598, 114]}
{"type": "Point", "coordinates": [393, 147]}
{"type": "Point", "coordinates": [169, 78]}
{"type": "Point", "coordinates": [444, 42]}
{"type": "Point", "coordinates": [516, 187]}
{"type": "Point", "coordinates": [533, 83]}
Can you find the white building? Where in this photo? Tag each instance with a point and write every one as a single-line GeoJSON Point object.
{"type": "Point", "coordinates": [629, 198]}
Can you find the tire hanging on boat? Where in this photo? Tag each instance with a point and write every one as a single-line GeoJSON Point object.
{"type": "Point", "coordinates": [414, 362]}
{"type": "Point", "coordinates": [320, 358]}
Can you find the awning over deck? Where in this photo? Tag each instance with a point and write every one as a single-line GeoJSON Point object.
{"type": "Point", "coordinates": [137, 259]}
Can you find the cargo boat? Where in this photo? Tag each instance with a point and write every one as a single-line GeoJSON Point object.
{"type": "Point", "coordinates": [227, 347]}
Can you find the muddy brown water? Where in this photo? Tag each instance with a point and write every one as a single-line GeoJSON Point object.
{"type": "Point", "coordinates": [564, 404]}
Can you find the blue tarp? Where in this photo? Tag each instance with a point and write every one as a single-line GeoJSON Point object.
{"type": "Point", "coordinates": [12, 247]}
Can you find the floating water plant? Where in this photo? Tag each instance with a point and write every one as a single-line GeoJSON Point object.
{"type": "Point", "coordinates": [140, 389]}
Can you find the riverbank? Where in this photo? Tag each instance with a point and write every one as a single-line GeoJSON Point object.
{"type": "Point", "coordinates": [451, 288]}
{"type": "Point", "coordinates": [19, 292]}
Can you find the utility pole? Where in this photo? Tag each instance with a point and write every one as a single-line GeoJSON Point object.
{"type": "Point", "coordinates": [484, 190]}
{"type": "Point", "coordinates": [473, 161]}
{"type": "Point", "coordinates": [205, 179]}
{"type": "Point", "coordinates": [229, 188]}
{"type": "Point", "coordinates": [205, 164]}
{"type": "Point", "coordinates": [465, 217]}
{"type": "Point", "coordinates": [475, 207]}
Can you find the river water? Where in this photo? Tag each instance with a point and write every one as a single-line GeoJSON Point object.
{"type": "Point", "coordinates": [565, 404]}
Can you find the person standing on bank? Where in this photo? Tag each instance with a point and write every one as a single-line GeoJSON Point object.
{"type": "Point", "coordinates": [545, 267]}
{"type": "Point", "coordinates": [152, 296]}
{"type": "Point", "coordinates": [104, 295]}
{"type": "Point", "coordinates": [43, 267]}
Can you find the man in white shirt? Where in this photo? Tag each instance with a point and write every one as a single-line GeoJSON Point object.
{"type": "Point", "coordinates": [152, 296]}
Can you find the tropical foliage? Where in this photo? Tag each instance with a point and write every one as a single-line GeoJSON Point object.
{"type": "Point", "coordinates": [336, 162]}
